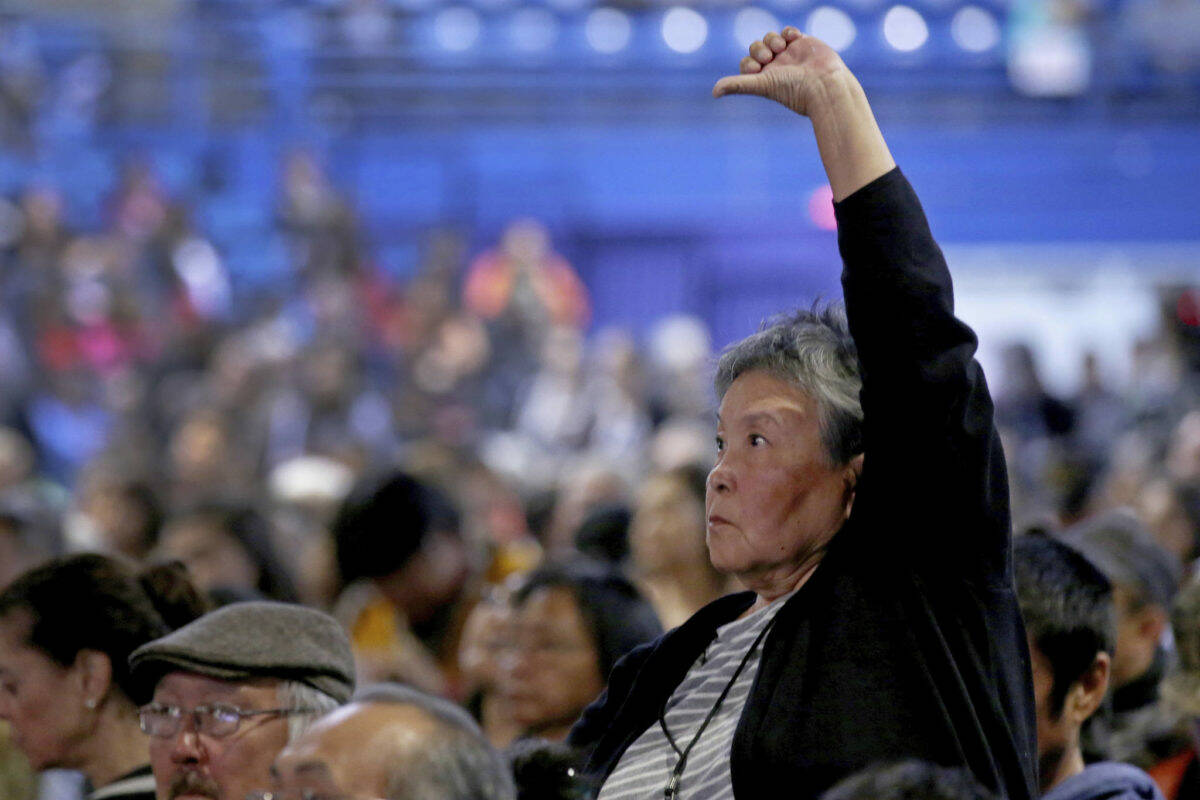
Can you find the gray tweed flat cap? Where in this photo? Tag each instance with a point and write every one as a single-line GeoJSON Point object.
{"type": "Point", "coordinates": [254, 640]}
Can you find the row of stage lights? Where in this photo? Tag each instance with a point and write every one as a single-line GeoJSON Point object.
{"type": "Point", "coordinates": [684, 30]}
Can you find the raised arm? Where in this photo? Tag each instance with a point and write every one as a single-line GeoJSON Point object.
{"type": "Point", "coordinates": [934, 486]}
{"type": "Point", "coordinates": [809, 77]}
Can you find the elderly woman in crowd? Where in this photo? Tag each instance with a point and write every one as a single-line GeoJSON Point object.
{"type": "Point", "coordinates": [571, 622]}
{"type": "Point", "coordinates": [860, 494]}
{"type": "Point", "coordinates": [66, 631]}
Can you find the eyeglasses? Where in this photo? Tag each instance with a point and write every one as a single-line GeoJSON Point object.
{"type": "Point", "coordinates": [215, 720]}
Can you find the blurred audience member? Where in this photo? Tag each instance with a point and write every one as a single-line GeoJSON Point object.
{"type": "Point", "coordinates": [1170, 510]}
{"type": "Point", "coordinates": [604, 534]}
{"type": "Point", "coordinates": [525, 284]}
{"type": "Point", "coordinates": [1071, 625]}
{"type": "Point", "coordinates": [114, 514]}
{"type": "Point", "coordinates": [667, 539]}
{"type": "Point", "coordinates": [318, 226]}
{"type": "Point", "coordinates": [26, 540]}
{"type": "Point", "coordinates": [229, 553]}
{"type": "Point", "coordinates": [206, 459]}
{"type": "Point", "coordinates": [1138, 729]}
{"type": "Point", "coordinates": [1178, 775]}
{"type": "Point", "coordinates": [407, 575]}
{"type": "Point", "coordinates": [232, 688]}
{"type": "Point", "coordinates": [394, 743]}
{"type": "Point", "coordinates": [66, 632]}
{"type": "Point", "coordinates": [486, 635]}
{"type": "Point", "coordinates": [571, 623]}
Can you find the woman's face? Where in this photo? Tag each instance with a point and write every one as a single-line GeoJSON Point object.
{"type": "Point", "coordinates": [213, 557]}
{"type": "Point", "coordinates": [551, 671]}
{"type": "Point", "coordinates": [668, 524]}
{"type": "Point", "coordinates": [40, 699]}
{"type": "Point", "coordinates": [774, 501]}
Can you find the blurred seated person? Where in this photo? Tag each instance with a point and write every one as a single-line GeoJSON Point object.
{"type": "Point", "coordinates": [1070, 622]}
{"type": "Point", "coordinates": [114, 514]}
{"type": "Point", "coordinates": [486, 635]}
{"type": "Point", "coordinates": [667, 540]}
{"type": "Point", "coordinates": [571, 623]}
{"type": "Point", "coordinates": [228, 551]}
{"type": "Point", "coordinates": [391, 742]}
{"type": "Point", "coordinates": [67, 629]}
{"type": "Point", "coordinates": [1135, 727]}
{"type": "Point", "coordinates": [406, 573]}
{"type": "Point", "coordinates": [525, 281]}
{"type": "Point", "coordinates": [1179, 774]}
{"type": "Point", "coordinates": [909, 780]}
{"type": "Point", "coordinates": [28, 536]}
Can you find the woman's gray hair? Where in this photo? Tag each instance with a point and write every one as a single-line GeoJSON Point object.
{"type": "Point", "coordinates": [813, 351]}
{"type": "Point", "coordinates": [294, 694]}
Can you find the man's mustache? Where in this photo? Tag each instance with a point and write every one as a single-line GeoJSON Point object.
{"type": "Point", "coordinates": [193, 783]}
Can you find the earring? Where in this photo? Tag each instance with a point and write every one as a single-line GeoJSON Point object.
{"type": "Point", "coordinates": [89, 704]}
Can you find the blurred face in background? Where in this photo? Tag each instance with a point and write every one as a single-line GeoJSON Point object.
{"type": "Point", "coordinates": [42, 700]}
{"type": "Point", "coordinates": [551, 671]}
{"type": "Point", "coordinates": [486, 633]}
{"type": "Point", "coordinates": [212, 555]}
{"type": "Point", "coordinates": [667, 530]}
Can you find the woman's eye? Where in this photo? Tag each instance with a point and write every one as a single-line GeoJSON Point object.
{"type": "Point", "coordinates": [720, 444]}
{"type": "Point", "coordinates": [756, 439]}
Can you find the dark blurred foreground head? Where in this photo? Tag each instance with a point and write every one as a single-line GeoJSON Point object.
{"type": "Point", "coordinates": [909, 780]}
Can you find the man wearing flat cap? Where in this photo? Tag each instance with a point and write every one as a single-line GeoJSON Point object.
{"type": "Point", "coordinates": [232, 689]}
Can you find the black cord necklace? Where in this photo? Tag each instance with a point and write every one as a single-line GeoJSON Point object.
{"type": "Point", "coordinates": [672, 789]}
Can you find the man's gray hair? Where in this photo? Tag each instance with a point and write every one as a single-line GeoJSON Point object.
{"type": "Point", "coordinates": [294, 694]}
{"type": "Point", "coordinates": [813, 351]}
{"type": "Point", "coordinates": [456, 762]}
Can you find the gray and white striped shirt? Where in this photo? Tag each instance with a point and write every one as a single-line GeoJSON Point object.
{"type": "Point", "coordinates": [645, 767]}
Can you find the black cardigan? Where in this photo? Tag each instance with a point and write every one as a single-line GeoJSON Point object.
{"type": "Point", "coordinates": [907, 641]}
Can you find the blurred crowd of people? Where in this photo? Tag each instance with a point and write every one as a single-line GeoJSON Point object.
{"type": "Point", "coordinates": [493, 500]}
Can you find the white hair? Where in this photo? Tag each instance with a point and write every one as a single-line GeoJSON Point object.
{"type": "Point", "coordinates": [294, 694]}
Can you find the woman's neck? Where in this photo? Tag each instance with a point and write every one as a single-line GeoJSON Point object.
{"type": "Point", "coordinates": [770, 588]}
{"type": "Point", "coordinates": [675, 598]}
{"type": "Point", "coordinates": [116, 747]}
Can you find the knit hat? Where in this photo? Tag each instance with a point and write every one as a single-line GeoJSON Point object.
{"type": "Point", "coordinates": [257, 639]}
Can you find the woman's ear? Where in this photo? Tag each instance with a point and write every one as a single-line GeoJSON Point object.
{"type": "Point", "coordinates": [95, 676]}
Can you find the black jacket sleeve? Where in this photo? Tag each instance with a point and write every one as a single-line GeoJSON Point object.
{"type": "Point", "coordinates": [934, 483]}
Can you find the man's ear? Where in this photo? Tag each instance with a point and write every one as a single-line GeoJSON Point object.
{"type": "Point", "coordinates": [95, 676]}
{"type": "Point", "coordinates": [850, 478]}
{"type": "Point", "coordinates": [1087, 693]}
{"type": "Point", "coordinates": [1152, 621]}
